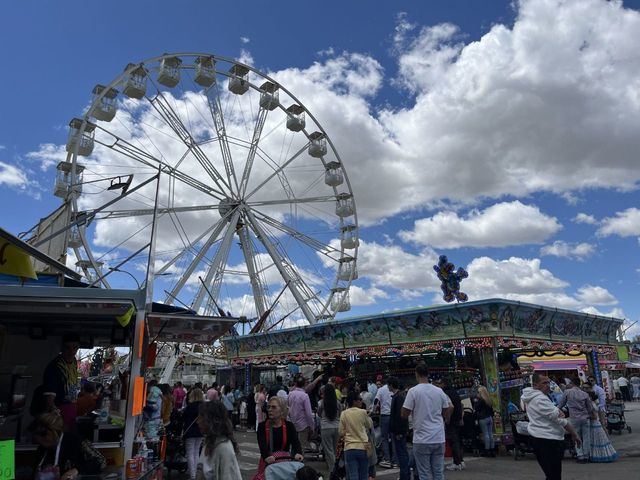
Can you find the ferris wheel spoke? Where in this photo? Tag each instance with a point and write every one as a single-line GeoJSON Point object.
{"type": "Point", "coordinates": [259, 291]}
{"type": "Point", "coordinates": [189, 247]}
{"type": "Point", "coordinates": [216, 269]}
{"type": "Point", "coordinates": [279, 170]}
{"type": "Point", "coordinates": [296, 284]}
{"type": "Point", "coordinates": [315, 244]}
{"type": "Point", "coordinates": [213, 101]}
{"type": "Point", "coordinates": [129, 150]}
{"type": "Point", "coordinates": [257, 132]}
{"type": "Point", "coordinates": [149, 211]}
{"type": "Point", "coordinates": [287, 201]}
{"type": "Point", "coordinates": [165, 110]}
{"type": "Point", "coordinates": [195, 262]}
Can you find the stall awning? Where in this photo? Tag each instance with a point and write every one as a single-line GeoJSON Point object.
{"type": "Point", "coordinates": [190, 328]}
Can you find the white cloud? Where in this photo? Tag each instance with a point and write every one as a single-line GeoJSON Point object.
{"type": "Point", "coordinates": [614, 312]}
{"type": "Point", "coordinates": [623, 224]}
{"type": "Point", "coordinates": [560, 248]}
{"type": "Point", "coordinates": [11, 176]}
{"type": "Point", "coordinates": [48, 155]}
{"type": "Point", "coordinates": [245, 40]}
{"type": "Point", "coordinates": [366, 296]}
{"type": "Point", "coordinates": [500, 225]}
{"type": "Point", "coordinates": [594, 295]}
{"type": "Point", "coordinates": [585, 218]}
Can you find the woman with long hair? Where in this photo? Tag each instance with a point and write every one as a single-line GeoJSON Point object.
{"type": "Point", "coordinates": [483, 408]}
{"type": "Point", "coordinates": [354, 428]}
{"type": "Point", "coordinates": [191, 434]}
{"type": "Point", "coordinates": [219, 454]}
{"type": "Point", "coordinates": [277, 437]}
{"type": "Point", "coordinates": [329, 410]}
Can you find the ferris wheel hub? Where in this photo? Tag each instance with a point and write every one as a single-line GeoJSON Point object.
{"type": "Point", "coordinates": [226, 206]}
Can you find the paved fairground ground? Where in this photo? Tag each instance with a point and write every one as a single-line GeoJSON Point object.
{"type": "Point", "coordinates": [627, 467]}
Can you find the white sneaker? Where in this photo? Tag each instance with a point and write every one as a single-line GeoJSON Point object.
{"type": "Point", "coordinates": [453, 467]}
{"type": "Point", "coordinates": [386, 464]}
{"type": "Point", "coordinates": [463, 465]}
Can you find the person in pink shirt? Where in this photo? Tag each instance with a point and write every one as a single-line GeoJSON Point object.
{"type": "Point", "coordinates": [179, 394]}
{"type": "Point", "coordinates": [260, 398]}
{"type": "Point", "coordinates": [300, 412]}
{"type": "Point", "coordinates": [213, 393]}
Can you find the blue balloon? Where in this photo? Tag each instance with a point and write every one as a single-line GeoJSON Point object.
{"type": "Point", "coordinates": [450, 280]}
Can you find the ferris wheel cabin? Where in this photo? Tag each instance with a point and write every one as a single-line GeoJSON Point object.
{"type": "Point", "coordinates": [239, 79]}
{"type": "Point", "coordinates": [269, 96]}
{"type": "Point", "coordinates": [295, 118]}
{"type": "Point", "coordinates": [86, 265]}
{"type": "Point", "coordinates": [82, 138]}
{"type": "Point", "coordinates": [344, 205]}
{"type": "Point", "coordinates": [318, 145]}
{"type": "Point", "coordinates": [135, 84]}
{"type": "Point", "coordinates": [105, 109]}
{"type": "Point", "coordinates": [64, 181]}
{"type": "Point", "coordinates": [333, 174]}
{"type": "Point", "coordinates": [205, 71]}
{"type": "Point", "coordinates": [347, 269]}
{"type": "Point", "coordinates": [349, 238]}
{"type": "Point", "coordinates": [75, 237]}
{"type": "Point", "coordinates": [169, 72]}
{"type": "Point", "coordinates": [340, 301]}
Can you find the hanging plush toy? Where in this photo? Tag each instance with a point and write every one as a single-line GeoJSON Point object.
{"type": "Point", "coordinates": [450, 279]}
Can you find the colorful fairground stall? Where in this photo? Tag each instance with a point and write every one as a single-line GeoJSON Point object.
{"type": "Point", "coordinates": [36, 312]}
{"type": "Point", "coordinates": [469, 343]}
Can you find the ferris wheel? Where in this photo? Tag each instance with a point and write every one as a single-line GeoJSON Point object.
{"type": "Point", "coordinates": [253, 210]}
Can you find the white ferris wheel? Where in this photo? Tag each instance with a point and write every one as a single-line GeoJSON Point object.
{"type": "Point", "coordinates": [254, 212]}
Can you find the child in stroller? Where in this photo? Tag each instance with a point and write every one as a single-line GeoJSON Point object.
{"type": "Point", "coordinates": [615, 418]}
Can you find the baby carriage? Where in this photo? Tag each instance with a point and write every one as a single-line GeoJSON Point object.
{"type": "Point", "coordinates": [615, 418]}
{"type": "Point", "coordinates": [521, 438]}
{"type": "Point", "coordinates": [284, 468]}
{"type": "Point", "coordinates": [470, 432]}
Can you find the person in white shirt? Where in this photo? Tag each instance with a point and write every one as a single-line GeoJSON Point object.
{"type": "Point", "coordinates": [624, 388]}
{"type": "Point", "coordinates": [430, 409]}
{"type": "Point", "coordinates": [546, 427]}
{"type": "Point", "coordinates": [382, 405]}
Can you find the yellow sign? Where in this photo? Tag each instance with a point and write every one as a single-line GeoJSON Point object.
{"type": "Point", "coordinates": [15, 261]}
{"type": "Point", "coordinates": [125, 318]}
{"type": "Point", "coordinates": [7, 459]}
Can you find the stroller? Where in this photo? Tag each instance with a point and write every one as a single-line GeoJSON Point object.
{"type": "Point", "coordinates": [284, 468]}
{"type": "Point", "coordinates": [615, 418]}
{"type": "Point", "coordinates": [175, 456]}
{"type": "Point", "coordinates": [521, 439]}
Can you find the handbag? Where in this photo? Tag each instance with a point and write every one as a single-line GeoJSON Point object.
{"type": "Point", "coordinates": [95, 461]}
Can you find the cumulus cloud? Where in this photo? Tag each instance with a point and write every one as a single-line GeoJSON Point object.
{"type": "Point", "coordinates": [560, 248]}
{"type": "Point", "coordinates": [623, 224]}
{"type": "Point", "coordinates": [48, 155]}
{"type": "Point", "coordinates": [366, 296]}
{"type": "Point", "coordinates": [595, 295]}
{"type": "Point", "coordinates": [245, 40]}
{"type": "Point", "coordinates": [500, 225]}
{"type": "Point", "coordinates": [11, 176]}
{"type": "Point", "coordinates": [585, 218]}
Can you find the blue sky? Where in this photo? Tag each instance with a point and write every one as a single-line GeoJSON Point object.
{"type": "Point", "coordinates": [501, 135]}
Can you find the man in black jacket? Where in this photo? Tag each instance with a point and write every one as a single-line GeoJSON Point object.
{"type": "Point", "coordinates": [452, 429]}
{"type": "Point", "coordinates": [399, 427]}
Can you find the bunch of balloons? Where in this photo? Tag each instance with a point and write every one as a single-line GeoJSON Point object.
{"type": "Point", "coordinates": [450, 280]}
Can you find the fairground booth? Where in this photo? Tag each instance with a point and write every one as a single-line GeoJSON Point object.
{"type": "Point", "coordinates": [471, 343]}
{"type": "Point", "coordinates": [35, 313]}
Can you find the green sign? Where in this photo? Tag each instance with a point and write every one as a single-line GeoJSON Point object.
{"type": "Point", "coordinates": [7, 459]}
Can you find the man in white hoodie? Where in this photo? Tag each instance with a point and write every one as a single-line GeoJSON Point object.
{"type": "Point", "coordinates": [547, 426]}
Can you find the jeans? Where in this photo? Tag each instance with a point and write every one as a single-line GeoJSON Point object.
{"type": "Point", "coordinates": [486, 425]}
{"type": "Point", "coordinates": [402, 454]}
{"type": "Point", "coordinates": [329, 437]}
{"type": "Point", "coordinates": [356, 463]}
{"type": "Point", "coordinates": [583, 429]}
{"type": "Point", "coordinates": [384, 432]}
{"type": "Point", "coordinates": [455, 442]}
{"type": "Point", "coordinates": [429, 458]}
{"type": "Point", "coordinates": [549, 454]}
{"type": "Point", "coordinates": [192, 447]}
